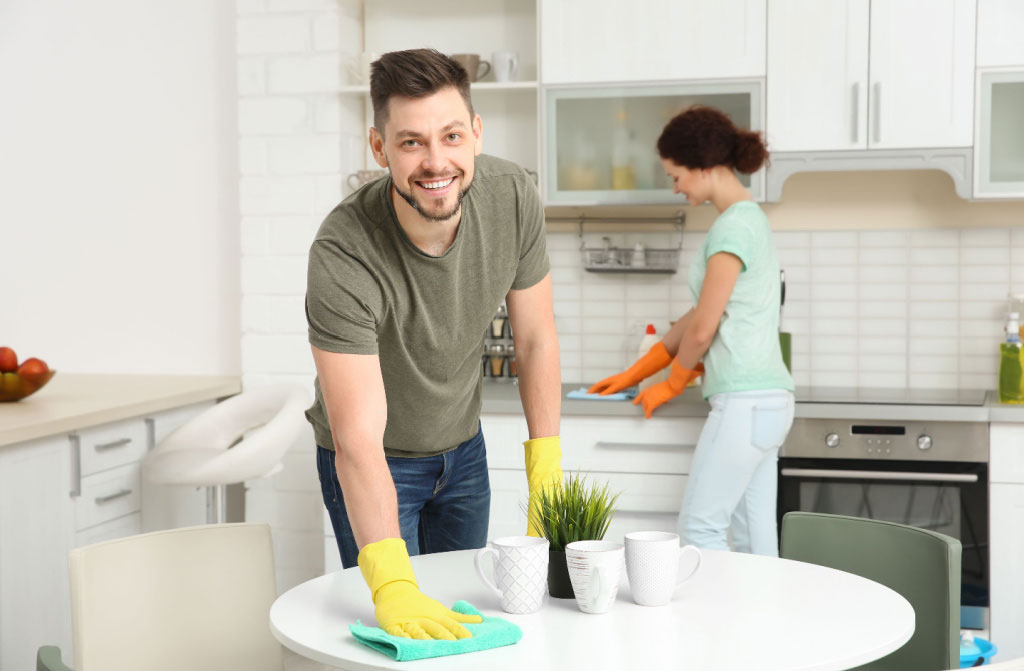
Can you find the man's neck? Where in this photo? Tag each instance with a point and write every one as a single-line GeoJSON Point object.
{"type": "Point", "coordinates": [431, 237]}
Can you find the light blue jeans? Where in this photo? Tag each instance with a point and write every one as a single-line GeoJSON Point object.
{"type": "Point", "coordinates": [733, 480]}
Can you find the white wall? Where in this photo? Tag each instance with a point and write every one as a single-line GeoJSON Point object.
{"type": "Point", "coordinates": [119, 242]}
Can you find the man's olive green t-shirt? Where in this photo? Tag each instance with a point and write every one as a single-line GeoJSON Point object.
{"type": "Point", "coordinates": [370, 290]}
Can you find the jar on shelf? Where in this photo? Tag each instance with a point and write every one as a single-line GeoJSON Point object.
{"type": "Point", "coordinates": [512, 368]}
{"type": "Point", "coordinates": [496, 360]}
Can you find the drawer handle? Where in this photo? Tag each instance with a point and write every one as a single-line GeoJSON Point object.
{"type": "Point", "coordinates": [112, 444]}
{"type": "Point", "coordinates": [100, 500]}
{"type": "Point", "coordinates": [657, 446]}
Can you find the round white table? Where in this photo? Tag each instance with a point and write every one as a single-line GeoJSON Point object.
{"type": "Point", "coordinates": [739, 612]}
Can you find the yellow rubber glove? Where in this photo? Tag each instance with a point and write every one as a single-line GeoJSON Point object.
{"type": "Point", "coordinates": [658, 394]}
{"type": "Point", "coordinates": [543, 469]}
{"type": "Point", "coordinates": [656, 359]}
{"type": "Point", "coordinates": [402, 609]}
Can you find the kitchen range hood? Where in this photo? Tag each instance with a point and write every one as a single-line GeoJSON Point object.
{"type": "Point", "coordinates": [955, 161]}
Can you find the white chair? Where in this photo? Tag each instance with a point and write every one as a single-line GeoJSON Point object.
{"type": "Point", "coordinates": [195, 598]}
{"type": "Point", "coordinates": [197, 453]}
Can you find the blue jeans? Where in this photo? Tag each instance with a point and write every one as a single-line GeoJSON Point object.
{"type": "Point", "coordinates": [733, 481]}
{"type": "Point", "coordinates": [444, 502]}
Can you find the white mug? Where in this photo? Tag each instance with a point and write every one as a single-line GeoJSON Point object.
{"type": "Point", "coordinates": [653, 561]}
{"type": "Point", "coordinates": [594, 570]}
{"type": "Point", "coordinates": [520, 571]}
{"type": "Point", "coordinates": [504, 64]}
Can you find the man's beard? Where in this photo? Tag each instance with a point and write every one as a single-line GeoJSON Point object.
{"type": "Point", "coordinates": [414, 204]}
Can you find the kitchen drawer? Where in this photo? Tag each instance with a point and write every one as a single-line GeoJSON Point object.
{"type": "Point", "coordinates": [629, 444]}
{"type": "Point", "coordinates": [614, 444]}
{"type": "Point", "coordinates": [652, 501]}
{"type": "Point", "coordinates": [110, 445]}
{"type": "Point", "coordinates": [107, 495]}
{"type": "Point", "coordinates": [129, 525]}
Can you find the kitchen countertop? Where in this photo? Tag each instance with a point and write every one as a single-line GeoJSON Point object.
{"type": "Point", "coordinates": [73, 401]}
{"type": "Point", "coordinates": [503, 398]}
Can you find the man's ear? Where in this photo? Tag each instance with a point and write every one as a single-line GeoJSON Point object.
{"type": "Point", "coordinates": [377, 147]}
{"type": "Point", "coordinates": [478, 133]}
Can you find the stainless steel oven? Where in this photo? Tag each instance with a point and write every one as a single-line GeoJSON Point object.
{"type": "Point", "coordinates": [928, 474]}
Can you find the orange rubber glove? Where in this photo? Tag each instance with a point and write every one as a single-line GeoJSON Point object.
{"type": "Point", "coordinates": [401, 608]}
{"type": "Point", "coordinates": [658, 394]}
{"type": "Point", "coordinates": [656, 359]}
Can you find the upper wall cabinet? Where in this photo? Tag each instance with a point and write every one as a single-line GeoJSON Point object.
{"type": "Point", "coordinates": [607, 41]}
{"type": "Point", "coordinates": [870, 74]}
{"type": "Point", "coordinates": [1000, 33]}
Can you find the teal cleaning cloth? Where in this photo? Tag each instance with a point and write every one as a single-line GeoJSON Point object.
{"type": "Point", "coordinates": [493, 632]}
{"type": "Point", "coordinates": [581, 393]}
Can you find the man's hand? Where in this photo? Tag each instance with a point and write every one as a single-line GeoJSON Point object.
{"type": "Point", "coordinates": [656, 359]}
{"type": "Point", "coordinates": [658, 394]}
{"type": "Point", "coordinates": [401, 608]}
{"type": "Point", "coordinates": [543, 470]}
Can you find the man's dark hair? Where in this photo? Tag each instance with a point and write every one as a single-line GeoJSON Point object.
{"type": "Point", "coordinates": [414, 73]}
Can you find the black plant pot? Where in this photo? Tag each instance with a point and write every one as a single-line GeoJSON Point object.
{"type": "Point", "coordinates": [559, 585]}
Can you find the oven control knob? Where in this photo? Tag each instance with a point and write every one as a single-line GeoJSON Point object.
{"type": "Point", "coordinates": [832, 440]}
{"type": "Point", "coordinates": [924, 442]}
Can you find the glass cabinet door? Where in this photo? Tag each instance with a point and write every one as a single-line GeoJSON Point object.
{"type": "Point", "coordinates": [600, 141]}
{"type": "Point", "coordinates": [999, 148]}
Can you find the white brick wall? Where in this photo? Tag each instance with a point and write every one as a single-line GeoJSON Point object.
{"type": "Point", "coordinates": [298, 137]}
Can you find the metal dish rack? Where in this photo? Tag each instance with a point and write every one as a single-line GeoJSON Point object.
{"type": "Point", "coordinates": [609, 259]}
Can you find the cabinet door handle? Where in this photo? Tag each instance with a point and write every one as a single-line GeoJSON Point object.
{"type": "Point", "coordinates": [629, 446]}
{"type": "Point", "coordinates": [100, 500]}
{"type": "Point", "coordinates": [112, 444]}
{"type": "Point", "coordinates": [878, 112]}
{"type": "Point", "coordinates": [76, 466]}
{"type": "Point", "coordinates": [856, 112]}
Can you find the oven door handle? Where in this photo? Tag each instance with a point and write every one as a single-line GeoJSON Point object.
{"type": "Point", "coordinates": [832, 474]}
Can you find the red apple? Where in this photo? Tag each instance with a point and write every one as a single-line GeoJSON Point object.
{"type": "Point", "coordinates": [32, 367]}
{"type": "Point", "coordinates": [8, 360]}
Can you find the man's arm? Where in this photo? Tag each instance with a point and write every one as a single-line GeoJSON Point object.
{"type": "Point", "coordinates": [356, 405]}
{"type": "Point", "coordinates": [531, 315]}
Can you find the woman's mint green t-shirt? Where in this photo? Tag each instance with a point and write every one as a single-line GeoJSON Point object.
{"type": "Point", "coordinates": [744, 354]}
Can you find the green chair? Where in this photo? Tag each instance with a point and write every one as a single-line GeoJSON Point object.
{"type": "Point", "coordinates": [196, 598]}
{"type": "Point", "coordinates": [923, 566]}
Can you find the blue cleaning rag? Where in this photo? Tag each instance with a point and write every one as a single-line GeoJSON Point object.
{"type": "Point", "coordinates": [493, 632]}
{"type": "Point", "coordinates": [581, 393]}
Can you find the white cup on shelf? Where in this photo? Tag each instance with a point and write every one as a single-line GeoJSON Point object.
{"type": "Point", "coordinates": [504, 65]}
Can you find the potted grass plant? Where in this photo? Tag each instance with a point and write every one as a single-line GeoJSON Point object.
{"type": "Point", "coordinates": [576, 511]}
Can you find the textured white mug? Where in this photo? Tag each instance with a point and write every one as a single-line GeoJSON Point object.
{"type": "Point", "coordinates": [594, 570]}
{"type": "Point", "coordinates": [653, 561]}
{"type": "Point", "coordinates": [520, 571]}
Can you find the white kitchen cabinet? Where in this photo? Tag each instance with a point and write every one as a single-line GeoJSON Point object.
{"type": "Point", "coordinates": [62, 492]}
{"type": "Point", "coordinates": [817, 83]}
{"type": "Point", "coordinates": [1000, 33]}
{"type": "Point", "coordinates": [599, 141]}
{"type": "Point", "coordinates": [1006, 537]}
{"type": "Point", "coordinates": [999, 140]}
{"type": "Point", "coordinates": [890, 74]}
{"type": "Point", "coordinates": [646, 460]}
{"type": "Point", "coordinates": [604, 41]}
{"type": "Point", "coordinates": [36, 534]}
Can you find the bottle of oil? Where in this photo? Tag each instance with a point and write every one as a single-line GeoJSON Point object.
{"type": "Point", "coordinates": [1011, 370]}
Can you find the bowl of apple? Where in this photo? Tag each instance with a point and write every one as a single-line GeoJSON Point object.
{"type": "Point", "coordinates": [20, 380]}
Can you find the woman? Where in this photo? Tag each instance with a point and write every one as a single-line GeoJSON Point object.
{"type": "Point", "coordinates": [734, 327]}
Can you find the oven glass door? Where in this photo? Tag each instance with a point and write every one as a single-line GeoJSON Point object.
{"type": "Point", "coordinates": [947, 497]}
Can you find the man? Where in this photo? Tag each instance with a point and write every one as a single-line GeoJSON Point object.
{"type": "Point", "coordinates": [404, 277]}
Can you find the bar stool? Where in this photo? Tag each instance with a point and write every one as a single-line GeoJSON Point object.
{"type": "Point", "coordinates": [242, 438]}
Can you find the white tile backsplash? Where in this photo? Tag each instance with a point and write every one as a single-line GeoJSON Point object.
{"type": "Point", "coordinates": [867, 308]}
